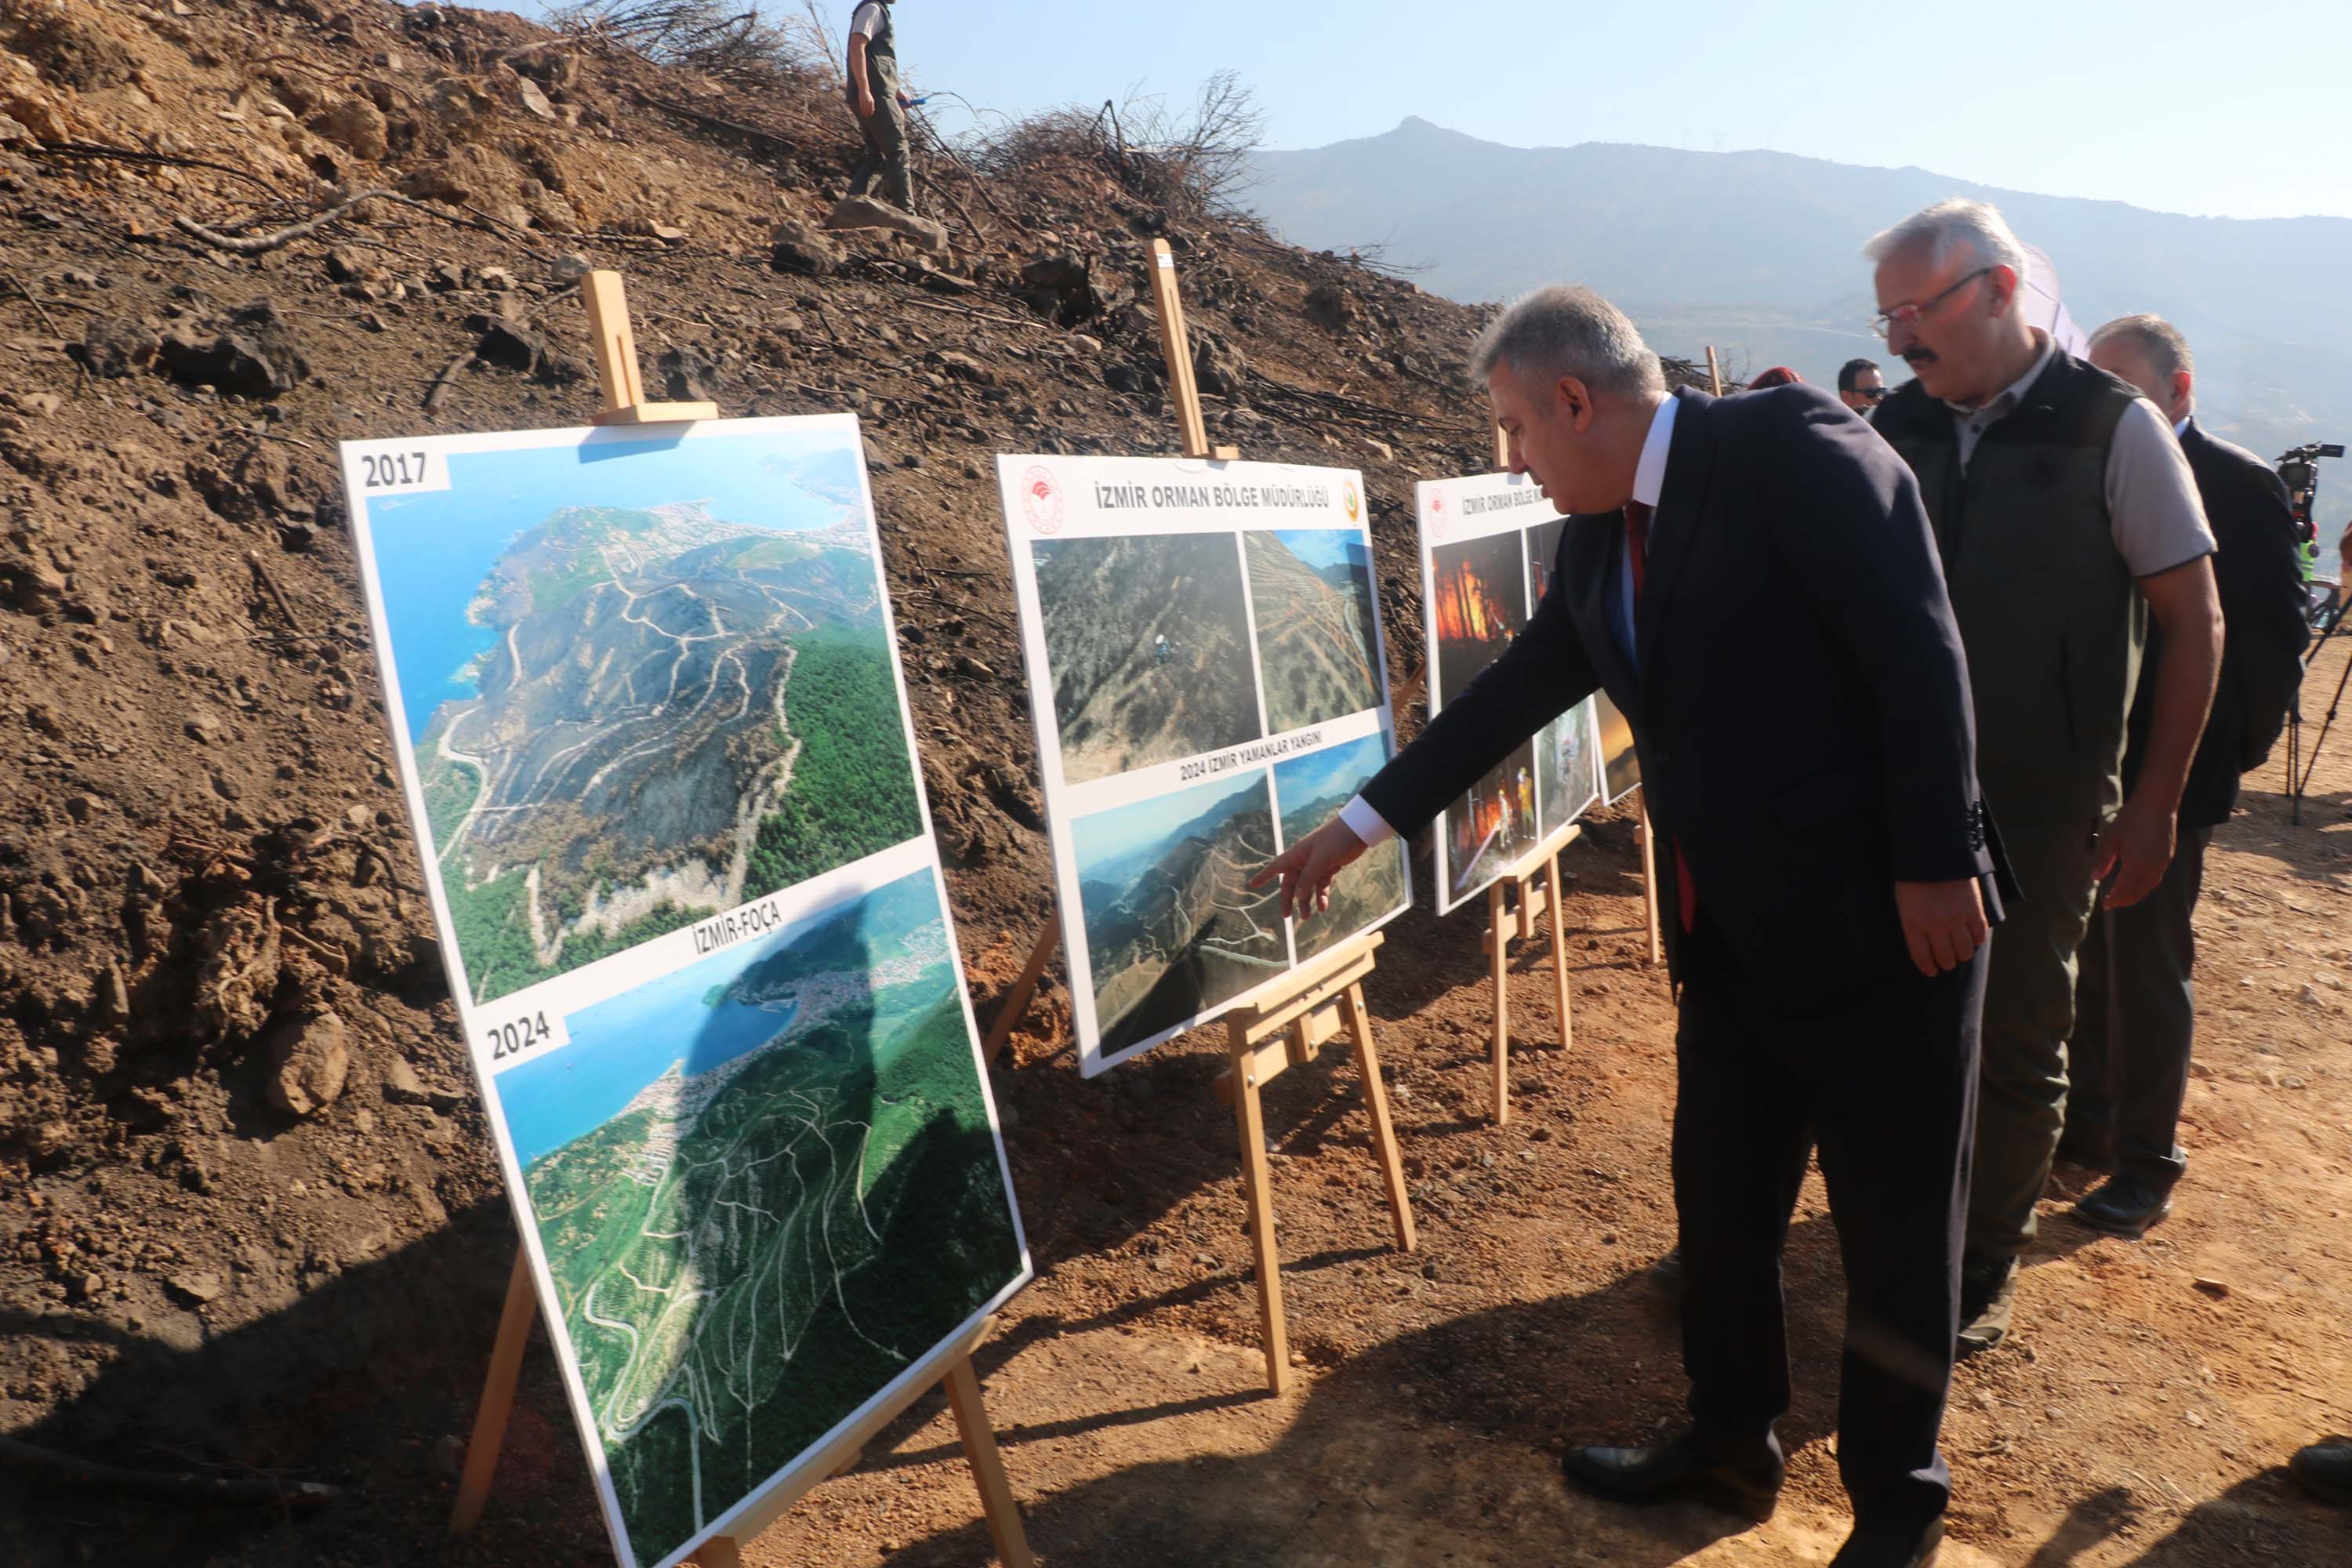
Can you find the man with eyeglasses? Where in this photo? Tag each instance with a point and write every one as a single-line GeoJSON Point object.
{"type": "Point", "coordinates": [2066, 517]}
{"type": "Point", "coordinates": [1860, 386]}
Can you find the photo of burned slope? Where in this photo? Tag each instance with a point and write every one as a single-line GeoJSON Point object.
{"type": "Point", "coordinates": [1172, 928]}
{"type": "Point", "coordinates": [1146, 641]}
{"type": "Point", "coordinates": [1568, 767]}
{"type": "Point", "coordinates": [643, 683]}
{"type": "Point", "coordinates": [1621, 767]}
{"type": "Point", "coordinates": [1310, 790]}
{"type": "Point", "coordinates": [766, 1185]}
{"type": "Point", "coordinates": [1477, 604]}
{"type": "Point", "coordinates": [1311, 596]}
{"type": "Point", "coordinates": [1543, 555]}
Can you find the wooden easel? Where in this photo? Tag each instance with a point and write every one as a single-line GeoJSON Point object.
{"type": "Point", "coordinates": [1301, 1010]}
{"type": "Point", "coordinates": [1516, 916]}
{"type": "Point", "coordinates": [947, 1366]}
{"type": "Point", "coordinates": [1318, 1000]}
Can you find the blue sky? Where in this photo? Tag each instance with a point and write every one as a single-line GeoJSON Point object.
{"type": "Point", "coordinates": [2180, 105]}
{"type": "Point", "coordinates": [1321, 547]}
{"type": "Point", "coordinates": [1302, 781]}
{"type": "Point", "coordinates": [1107, 834]}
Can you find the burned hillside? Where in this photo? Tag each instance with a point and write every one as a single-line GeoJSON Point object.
{"type": "Point", "coordinates": [246, 231]}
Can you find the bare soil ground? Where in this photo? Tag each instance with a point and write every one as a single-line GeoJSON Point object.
{"type": "Point", "coordinates": [239, 1244]}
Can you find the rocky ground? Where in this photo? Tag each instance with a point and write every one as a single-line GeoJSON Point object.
{"type": "Point", "coordinates": [250, 1226]}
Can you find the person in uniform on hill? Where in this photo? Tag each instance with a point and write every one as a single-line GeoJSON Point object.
{"type": "Point", "coordinates": [1860, 386]}
{"type": "Point", "coordinates": [2134, 1005]}
{"type": "Point", "coordinates": [1753, 577]}
{"type": "Point", "coordinates": [2066, 517]}
{"type": "Point", "coordinates": [880, 105]}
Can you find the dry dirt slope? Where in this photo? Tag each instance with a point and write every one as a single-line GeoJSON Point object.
{"type": "Point", "coordinates": [201, 857]}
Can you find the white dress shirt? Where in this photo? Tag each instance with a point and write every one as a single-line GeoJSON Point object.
{"type": "Point", "coordinates": [1649, 482]}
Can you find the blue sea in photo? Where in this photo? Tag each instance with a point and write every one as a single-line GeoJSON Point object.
{"type": "Point", "coordinates": [433, 550]}
{"type": "Point", "coordinates": [621, 1045]}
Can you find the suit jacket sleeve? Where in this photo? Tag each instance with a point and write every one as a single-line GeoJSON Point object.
{"type": "Point", "coordinates": [2259, 574]}
{"type": "Point", "coordinates": [1850, 522]}
{"type": "Point", "coordinates": [1543, 673]}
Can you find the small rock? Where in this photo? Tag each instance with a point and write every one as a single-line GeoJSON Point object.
{"type": "Point", "coordinates": [569, 269]}
{"type": "Point", "coordinates": [797, 248]}
{"type": "Point", "coordinates": [448, 1456]}
{"type": "Point", "coordinates": [112, 347]}
{"type": "Point", "coordinates": [196, 1285]}
{"type": "Point", "coordinates": [308, 1063]}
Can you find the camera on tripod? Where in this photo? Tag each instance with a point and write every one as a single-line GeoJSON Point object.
{"type": "Point", "coordinates": [2298, 469]}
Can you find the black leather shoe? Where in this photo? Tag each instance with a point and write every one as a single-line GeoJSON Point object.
{"type": "Point", "coordinates": [1745, 1481]}
{"type": "Point", "coordinates": [1988, 1296]}
{"type": "Point", "coordinates": [2124, 1205]}
{"type": "Point", "coordinates": [2324, 1470]}
{"type": "Point", "coordinates": [1914, 1547]}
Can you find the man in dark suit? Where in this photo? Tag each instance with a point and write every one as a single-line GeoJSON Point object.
{"type": "Point", "coordinates": [2134, 1010]}
{"type": "Point", "coordinates": [1751, 579]}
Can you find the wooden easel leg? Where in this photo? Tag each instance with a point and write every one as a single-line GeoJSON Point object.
{"type": "Point", "coordinates": [1650, 883]}
{"type": "Point", "coordinates": [1499, 958]}
{"type": "Point", "coordinates": [498, 1398]}
{"type": "Point", "coordinates": [1016, 1004]}
{"type": "Point", "coordinates": [1560, 952]}
{"type": "Point", "coordinates": [1376, 1099]}
{"type": "Point", "coordinates": [987, 1468]}
{"type": "Point", "coordinates": [718, 1551]}
{"type": "Point", "coordinates": [1257, 1180]}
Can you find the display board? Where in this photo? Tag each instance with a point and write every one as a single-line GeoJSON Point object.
{"type": "Point", "coordinates": [1206, 666]}
{"type": "Point", "coordinates": [1621, 768]}
{"type": "Point", "coordinates": [1489, 544]}
{"type": "Point", "coordinates": [646, 705]}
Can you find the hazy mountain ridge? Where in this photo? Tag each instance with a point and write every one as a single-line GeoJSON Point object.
{"type": "Point", "coordinates": [1759, 253]}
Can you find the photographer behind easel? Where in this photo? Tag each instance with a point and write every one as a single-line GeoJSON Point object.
{"type": "Point", "coordinates": [871, 86]}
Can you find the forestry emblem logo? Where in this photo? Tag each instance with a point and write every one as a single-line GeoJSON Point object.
{"type": "Point", "coordinates": [1437, 519]}
{"type": "Point", "coordinates": [1041, 499]}
{"type": "Point", "coordinates": [1355, 506]}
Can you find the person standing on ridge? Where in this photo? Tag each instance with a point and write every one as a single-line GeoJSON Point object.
{"type": "Point", "coordinates": [2134, 1007]}
{"type": "Point", "coordinates": [1860, 386]}
{"type": "Point", "coordinates": [2066, 517]}
{"type": "Point", "coordinates": [1826, 933]}
{"type": "Point", "coordinates": [880, 104]}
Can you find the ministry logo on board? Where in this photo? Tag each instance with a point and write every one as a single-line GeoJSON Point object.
{"type": "Point", "coordinates": [1355, 507]}
{"type": "Point", "coordinates": [1437, 518]}
{"type": "Point", "coordinates": [1041, 499]}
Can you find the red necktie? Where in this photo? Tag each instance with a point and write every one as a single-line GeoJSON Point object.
{"type": "Point", "coordinates": [1637, 552]}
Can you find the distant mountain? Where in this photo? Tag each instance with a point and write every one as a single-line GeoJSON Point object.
{"type": "Point", "coordinates": [1758, 254]}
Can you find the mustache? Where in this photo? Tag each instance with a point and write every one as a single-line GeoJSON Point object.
{"type": "Point", "coordinates": [1917, 356]}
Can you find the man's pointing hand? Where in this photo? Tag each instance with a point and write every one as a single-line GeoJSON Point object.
{"type": "Point", "coordinates": [1307, 866]}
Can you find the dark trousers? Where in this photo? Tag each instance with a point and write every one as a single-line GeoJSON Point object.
{"type": "Point", "coordinates": [2028, 1014]}
{"type": "Point", "coordinates": [1886, 1084]}
{"type": "Point", "coordinates": [2134, 1021]}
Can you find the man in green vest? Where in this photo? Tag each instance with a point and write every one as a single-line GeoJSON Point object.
{"type": "Point", "coordinates": [2066, 517]}
{"type": "Point", "coordinates": [880, 105]}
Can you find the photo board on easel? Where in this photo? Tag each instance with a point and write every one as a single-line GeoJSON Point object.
{"type": "Point", "coordinates": [654, 742]}
{"type": "Point", "coordinates": [1208, 682]}
{"type": "Point", "coordinates": [1489, 544]}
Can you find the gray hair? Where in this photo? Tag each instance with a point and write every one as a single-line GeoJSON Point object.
{"type": "Point", "coordinates": [1566, 330]}
{"type": "Point", "coordinates": [1949, 225]}
{"type": "Point", "coordinates": [2158, 339]}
